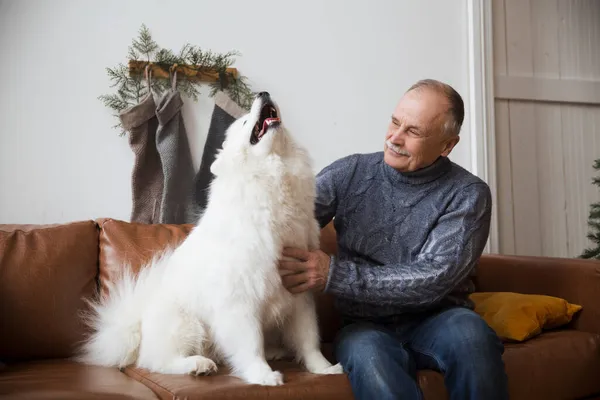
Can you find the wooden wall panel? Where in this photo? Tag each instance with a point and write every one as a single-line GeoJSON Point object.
{"type": "Point", "coordinates": [546, 143]}
{"type": "Point", "coordinates": [518, 37]}
{"type": "Point", "coordinates": [544, 30]}
{"type": "Point", "coordinates": [526, 194]}
{"type": "Point", "coordinates": [499, 37]}
{"type": "Point", "coordinates": [579, 35]}
{"type": "Point", "coordinates": [551, 180]}
{"type": "Point", "coordinates": [506, 222]}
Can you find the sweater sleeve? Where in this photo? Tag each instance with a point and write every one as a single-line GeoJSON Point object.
{"type": "Point", "coordinates": [447, 258]}
{"type": "Point", "coordinates": [331, 184]}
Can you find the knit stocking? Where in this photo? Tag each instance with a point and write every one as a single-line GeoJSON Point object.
{"type": "Point", "coordinates": [176, 159]}
{"type": "Point", "coordinates": [225, 112]}
{"type": "Point", "coordinates": [147, 177]}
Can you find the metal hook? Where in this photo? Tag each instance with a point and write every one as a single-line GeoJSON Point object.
{"type": "Point", "coordinates": [148, 74]}
{"type": "Point", "coordinates": [173, 76]}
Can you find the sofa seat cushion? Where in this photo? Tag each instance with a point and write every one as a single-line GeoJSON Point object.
{"type": "Point", "coordinates": [64, 379]}
{"type": "Point", "coordinates": [562, 364]}
{"type": "Point", "coordinates": [432, 385]}
{"type": "Point", "coordinates": [299, 384]}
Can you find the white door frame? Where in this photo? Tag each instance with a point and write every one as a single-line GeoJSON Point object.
{"type": "Point", "coordinates": [481, 99]}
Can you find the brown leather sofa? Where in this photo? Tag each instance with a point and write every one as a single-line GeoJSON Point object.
{"type": "Point", "coordinates": [46, 272]}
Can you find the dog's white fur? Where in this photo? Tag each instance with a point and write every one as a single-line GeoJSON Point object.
{"type": "Point", "coordinates": [218, 296]}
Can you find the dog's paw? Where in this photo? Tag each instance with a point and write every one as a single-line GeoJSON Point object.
{"type": "Point", "coordinates": [266, 378]}
{"type": "Point", "coordinates": [192, 365]}
{"type": "Point", "coordinates": [334, 369]}
{"type": "Point", "coordinates": [274, 378]}
{"type": "Point", "coordinates": [201, 365]}
{"type": "Point", "coordinates": [275, 353]}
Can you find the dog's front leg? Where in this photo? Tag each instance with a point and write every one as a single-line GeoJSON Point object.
{"type": "Point", "coordinates": [240, 337]}
{"type": "Point", "coordinates": [301, 333]}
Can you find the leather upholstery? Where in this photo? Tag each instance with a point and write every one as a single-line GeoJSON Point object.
{"type": "Point", "coordinates": [432, 385]}
{"type": "Point", "coordinates": [298, 385]}
{"type": "Point", "coordinates": [134, 244]}
{"type": "Point", "coordinates": [45, 273]}
{"type": "Point", "coordinates": [556, 365]}
{"type": "Point", "coordinates": [66, 380]}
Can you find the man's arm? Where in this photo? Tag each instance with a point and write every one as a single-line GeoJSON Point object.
{"type": "Point", "coordinates": [331, 183]}
{"type": "Point", "coordinates": [451, 250]}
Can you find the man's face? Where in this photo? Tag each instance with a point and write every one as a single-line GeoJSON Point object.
{"type": "Point", "coordinates": [416, 131]}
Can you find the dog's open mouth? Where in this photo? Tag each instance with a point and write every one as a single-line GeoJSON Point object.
{"type": "Point", "coordinates": [268, 118]}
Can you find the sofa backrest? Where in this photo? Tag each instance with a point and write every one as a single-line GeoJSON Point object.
{"type": "Point", "coordinates": [134, 244]}
{"type": "Point", "coordinates": [46, 272]}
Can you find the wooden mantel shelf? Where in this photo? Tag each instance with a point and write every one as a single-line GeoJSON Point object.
{"type": "Point", "coordinates": [161, 70]}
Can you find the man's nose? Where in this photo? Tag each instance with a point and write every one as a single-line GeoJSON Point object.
{"type": "Point", "coordinates": [397, 136]}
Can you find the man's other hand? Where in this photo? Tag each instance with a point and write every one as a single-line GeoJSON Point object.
{"type": "Point", "coordinates": [308, 271]}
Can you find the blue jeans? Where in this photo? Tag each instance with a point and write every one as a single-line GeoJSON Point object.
{"type": "Point", "coordinates": [381, 360]}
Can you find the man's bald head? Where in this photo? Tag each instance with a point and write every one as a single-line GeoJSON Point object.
{"type": "Point", "coordinates": [456, 108]}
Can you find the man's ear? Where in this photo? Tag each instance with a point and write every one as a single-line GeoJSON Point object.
{"type": "Point", "coordinates": [449, 145]}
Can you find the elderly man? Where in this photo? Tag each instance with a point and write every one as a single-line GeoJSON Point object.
{"type": "Point", "coordinates": [411, 225]}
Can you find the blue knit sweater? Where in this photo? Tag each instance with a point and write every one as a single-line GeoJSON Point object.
{"type": "Point", "coordinates": [407, 242]}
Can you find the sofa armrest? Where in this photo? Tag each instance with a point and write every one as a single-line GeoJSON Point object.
{"type": "Point", "coordinates": [575, 280]}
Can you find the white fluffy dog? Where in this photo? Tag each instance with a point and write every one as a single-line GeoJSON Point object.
{"type": "Point", "coordinates": [218, 296]}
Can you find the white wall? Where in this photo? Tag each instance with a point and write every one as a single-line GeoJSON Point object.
{"type": "Point", "coordinates": [336, 68]}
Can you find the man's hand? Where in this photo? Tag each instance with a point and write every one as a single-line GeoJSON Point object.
{"type": "Point", "coordinates": [309, 271]}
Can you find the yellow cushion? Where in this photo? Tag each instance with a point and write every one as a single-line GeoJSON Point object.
{"type": "Point", "coordinates": [519, 317]}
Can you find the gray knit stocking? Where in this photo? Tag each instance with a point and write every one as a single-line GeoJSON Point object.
{"type": "Point", "coordinates": [146, 177]}
{"type": "Point", "coordinates": [177, 167]}
{"type": "Point", "coordinates": [225, 112]}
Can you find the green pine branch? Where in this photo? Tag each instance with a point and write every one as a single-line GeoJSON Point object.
{"type": "Point", "coordinates": [594, 212]}
{"type": "Point", "coordinates": [239, 91]}
{"type": "Point", "coordinates": [594, 237]}
{"type": "Point", "coordinates": [130, 90]}
{"type": "Point", "coordinates": [166, 56]}
{"type": "Point", "coordinates": [595, 227]}
{"type": "Point", "coordinates": [594, 222]}
{"type": "Point", "coordinates": [591, 253]}
{"type": "Point", "coordinates": [145, 44]}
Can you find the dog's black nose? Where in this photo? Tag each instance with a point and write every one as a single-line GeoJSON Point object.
{"type": "Point", "coordinates": [264, 94]}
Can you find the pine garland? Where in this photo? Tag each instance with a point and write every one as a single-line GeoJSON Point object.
{"type": "Point", "coordinates": [594, 222]}
{"type": "Point", "coordinates": [130, 90]}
